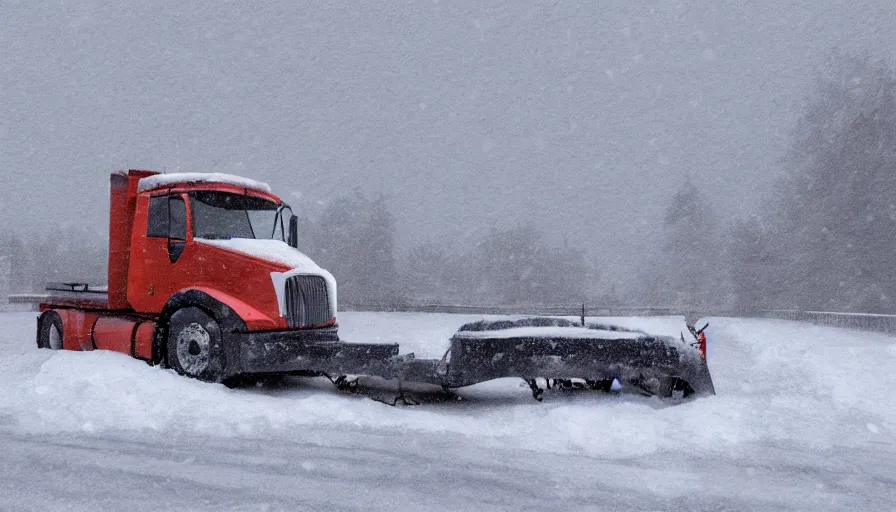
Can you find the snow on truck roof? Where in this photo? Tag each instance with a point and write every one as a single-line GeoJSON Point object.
{"type": "Point", "coordinates": [166, 180]}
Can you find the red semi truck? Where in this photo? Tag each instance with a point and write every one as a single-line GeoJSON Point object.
{"type": "Point", "coordinates": [204, 277]}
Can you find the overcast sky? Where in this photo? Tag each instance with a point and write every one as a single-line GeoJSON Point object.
{"type": "Point", "coordinates": [583, 117]}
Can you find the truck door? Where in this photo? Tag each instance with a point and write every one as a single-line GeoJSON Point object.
{"type": "Point", "coordinates": [154, 272]}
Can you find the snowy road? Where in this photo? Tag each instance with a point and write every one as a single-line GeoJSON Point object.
{"type": "Point", "coordinates": [804, 419]}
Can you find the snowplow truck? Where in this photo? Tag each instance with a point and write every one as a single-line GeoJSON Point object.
{"type": "Point", "coordinates": [204, 276]}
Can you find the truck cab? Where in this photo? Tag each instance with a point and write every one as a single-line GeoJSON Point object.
{"type": "Point", "coordinates": [229, 237]}
{"type": "Point", "coordinates": [204, 274]}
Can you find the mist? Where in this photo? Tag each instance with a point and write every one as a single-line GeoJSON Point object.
{"type": "Point", "coordinates": [575, 125]}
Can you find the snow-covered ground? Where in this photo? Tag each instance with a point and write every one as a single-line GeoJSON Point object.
{"type": "Point", "coordinates": [805, 418]}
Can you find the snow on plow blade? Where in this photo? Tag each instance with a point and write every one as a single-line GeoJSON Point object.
{"type": "Point", "coordinates": [555, 348]}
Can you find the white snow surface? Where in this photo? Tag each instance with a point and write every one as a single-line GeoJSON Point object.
{"type": "Point", "coordinates": [550, 332]}
{"type": "Point", "coordinates": [165, 180]}
{"type": "Point", "coordinates": [804, 419]}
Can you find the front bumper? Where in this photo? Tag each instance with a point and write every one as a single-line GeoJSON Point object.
{"type": "Point", "coordinates": [284, 351]}
{"type": "Point", "coordinates": [313, 350]}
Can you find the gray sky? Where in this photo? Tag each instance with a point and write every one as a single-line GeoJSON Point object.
{"type": "Point", "coordinates": [582, 117]}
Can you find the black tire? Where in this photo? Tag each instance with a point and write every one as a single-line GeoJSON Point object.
{"type": "Point", "coordinates": [680, 388]}
{"type": "Point", "coordinates": [605, 385]}
{"type": "Point", "coordinates": [266, 380]}
{"type": "Point", "coordinates": [195, 345]}
{"type": "Point", "coordinates": [671, 387]}
{"type": "Point", "coordinates": [50, 334]}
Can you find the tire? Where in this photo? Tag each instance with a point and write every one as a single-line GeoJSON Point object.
{"type": "Point", "coordinates": [195, 345]}
{"type": "Point", "coordinates": [50, 334]}
{"type": "Point", "coordinates": [267, 380]}
{"type": "Point", "coordinates": [605, 385]}
{"type": "Point", "coordinates": [672, 387]}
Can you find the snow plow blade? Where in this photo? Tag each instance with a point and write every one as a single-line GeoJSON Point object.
{"type": "Point", "coordinates": [554, 348]}
{"type": "Point", "coordinates": [559, 349]}
{"type": "Point", "coordinates": [529, 348]}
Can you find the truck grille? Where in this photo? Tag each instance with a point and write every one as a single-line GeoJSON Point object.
{"type": "Point", "coordinates": [307, 303]}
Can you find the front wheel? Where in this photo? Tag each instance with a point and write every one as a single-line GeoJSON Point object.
{"type": "Point", "coordinates": [195, 345]}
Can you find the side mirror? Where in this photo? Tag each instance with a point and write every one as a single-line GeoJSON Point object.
{"type": "Point", "coordinates": [293, 240]}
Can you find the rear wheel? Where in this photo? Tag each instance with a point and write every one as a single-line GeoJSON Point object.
{"type": "Point", "coordinates": [195, 345]}
{"type": "Point", "coordinates": [50, 333]}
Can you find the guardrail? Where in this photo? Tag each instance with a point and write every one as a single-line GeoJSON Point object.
{"type": "Point", "coordinates": [518, 309]}
{"type": "Point", "coordinates": [858, 321]}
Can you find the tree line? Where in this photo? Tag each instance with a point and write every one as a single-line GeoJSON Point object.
{"type": "Point", "coordinates": [823, 239]}
{"type": "Point", "coordinates": [27, 264]}
{"type": "Point", "coordinates": [354, 238]}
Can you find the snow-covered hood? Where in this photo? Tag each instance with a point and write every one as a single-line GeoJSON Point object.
{"type": "Point", "coordinates": [279, 253]}
{"type": "Point", "coordinates": [274, 251]}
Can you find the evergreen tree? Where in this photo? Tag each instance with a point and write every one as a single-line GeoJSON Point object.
{"type": "Point", "coordinates": [434, 274]}
{"type": "Point", "coordinates": [514, 266]}
{"type": "Point", "coordinates": [830, 229]}
{"type": "Point", "coordinates": [688, 271]}
{"type": "Point", "coordinates": [355, 240]}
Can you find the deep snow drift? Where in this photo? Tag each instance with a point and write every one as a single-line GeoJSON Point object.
{"type": "Point", "coordinates": [804, 417]}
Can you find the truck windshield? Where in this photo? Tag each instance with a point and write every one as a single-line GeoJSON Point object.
{"type": "Point", "coordinates": [222, 215]}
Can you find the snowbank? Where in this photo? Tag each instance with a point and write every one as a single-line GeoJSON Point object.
{"type": "Point", "coordinates": [776, 382]}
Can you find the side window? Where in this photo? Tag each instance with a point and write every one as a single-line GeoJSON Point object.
{"type": "Point", "coordinates": [178, 218]}
{"type": "Point", "coordinates": [157, 225]}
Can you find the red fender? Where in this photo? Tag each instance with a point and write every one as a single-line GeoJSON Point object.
{"type": "Point", "coordinates": [255, 320]}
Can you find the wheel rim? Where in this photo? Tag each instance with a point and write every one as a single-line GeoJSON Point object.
{"type": "Point", "coordinates": [55, 338]}
{"type": "Point", "coordinates": [193, 349]}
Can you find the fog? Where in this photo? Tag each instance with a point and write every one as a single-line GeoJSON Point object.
{"type": "Point", "coordinates": [582, 119]}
